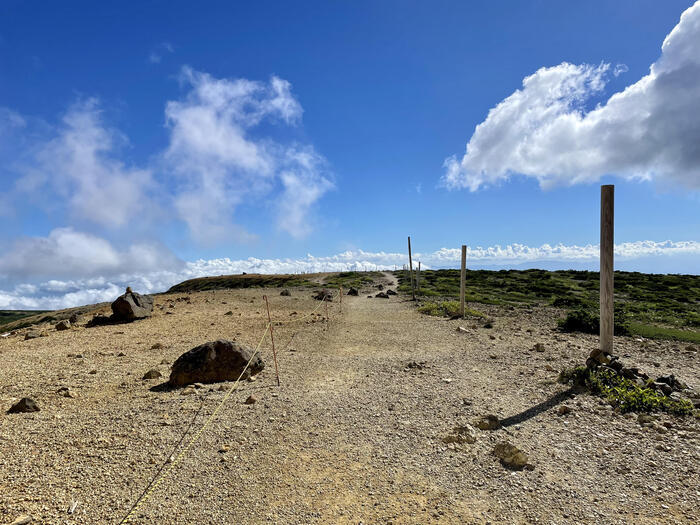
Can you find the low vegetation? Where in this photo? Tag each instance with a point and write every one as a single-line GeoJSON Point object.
{"type": "Point", "coordinates": [224, 282]}
{"type": "Point", "coordinates": [624, 394]}
{"type": "Point", "coordinates": [8, 317]}
{"type": "Point", "coordinates": [351, 279]}
{"type": "Point", "coordinates": [647, 305]}
{"type": "Point", "coordinates": [447, 309]}
{"type": "Point", "coordinates": [586, 320]}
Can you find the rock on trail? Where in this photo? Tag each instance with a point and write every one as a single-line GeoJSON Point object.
{"type": "Point", "coordinates": [132, 306]}
{"type": "Point", "coordinates": [214, 362]}
{"type": "Point", "coordinates": [26, 404]}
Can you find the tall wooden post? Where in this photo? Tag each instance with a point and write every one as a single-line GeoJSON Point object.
{"type": "Point", "coordinates": [410, 263]}
{"type": "Point", "coordinates": [462, 278]}
{"type": "Point", "coordinates": [607, 305]}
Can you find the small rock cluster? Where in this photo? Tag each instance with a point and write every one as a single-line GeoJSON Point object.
{"type": "Point", "coordinates": [461, 435]}
{"type": "Point", "coordinates": [668, 385]}
{"type": "Point", "coordinates": [415, 365]}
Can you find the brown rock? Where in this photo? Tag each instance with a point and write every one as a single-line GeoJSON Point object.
{"type": "Point", "coordinates": [25, 404]}
{"type": "Point", "coordinates": [488, 422]}
{"type": "Point", "coordinates": [323, 295]}
{"type": "Point", "coordinates": [511, 456]}
{"type": "Point", "coordinates": [152, 374]}
{"type": "Point", "coordinates": [214, 362]}
{"type": "Point", "coordinates": [132, 306]}
{"type": "Point", "coordinates": [33, 334]}
{"type": "Point", "coordinates": [63, 325]}
{"type": "Point", "coordinates": [461, 435]}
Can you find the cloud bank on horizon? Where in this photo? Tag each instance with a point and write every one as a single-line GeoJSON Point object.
{"type": "Point", "coordinates": [649, 131]}
{"type": "Point", "coordinates": [70, 268]}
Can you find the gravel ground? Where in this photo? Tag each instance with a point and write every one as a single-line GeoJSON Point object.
{"type": "Point", "coordinates": [353, 435]}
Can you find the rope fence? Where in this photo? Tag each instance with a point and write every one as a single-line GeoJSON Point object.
{"type": "Point", "coordinates": [169, 464]}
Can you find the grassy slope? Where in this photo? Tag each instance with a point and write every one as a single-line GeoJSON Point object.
{"type": "Point", "coordinates": [351, 279]}
{"type": "Point", "coordinates": [240, 281]}
{"type": "Point", "coordinates": [661, 306]}
{"type": "Point", "coordinates": [10, 316]}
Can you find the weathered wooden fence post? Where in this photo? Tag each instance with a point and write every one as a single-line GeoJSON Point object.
{"type": "Point", "coordinates": [607, 304]}
{"type": "Point", "coordinates": [410, 263]}
{"type": "Point", "coordinates": [462, 278]}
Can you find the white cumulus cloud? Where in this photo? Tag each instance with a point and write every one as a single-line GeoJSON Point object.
{"type": "Point", "coordinates": [69, 253]}
{"type": "Point", "coordinates": [225, 148]}
{"type": "Point", "coordinates": [650, 130]}
{"type": "Point", "coordinates": [80, 167]}
{"type": "Point", "coordinates": [220, 161]}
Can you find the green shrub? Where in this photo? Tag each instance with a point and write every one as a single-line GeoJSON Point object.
{"type": "Point", "coordinates": [447, 309]}
{"type": "Point", "coordinates": [568, 301]}
{"type": "Point", "coordinates": [693, 319]}
{"type": "Point", "coordinates": [587, 320]}
{"type": "Point", "coordinates": [580, 320]}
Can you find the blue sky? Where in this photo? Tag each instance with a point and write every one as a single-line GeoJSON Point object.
{"type": "Point", "coordinates": [137, 137]}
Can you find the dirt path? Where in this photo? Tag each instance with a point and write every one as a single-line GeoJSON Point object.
{"type": "Point", "coordinates": [353, 435]}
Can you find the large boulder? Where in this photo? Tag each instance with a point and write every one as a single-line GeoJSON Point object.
{"type": "Point", "coordinates": [214, 362]}
{"type": "Point", "coordinates": [132, 306]}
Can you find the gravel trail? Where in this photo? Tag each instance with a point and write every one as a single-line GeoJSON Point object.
{"type": "Point", "coordinates": [355, 432]}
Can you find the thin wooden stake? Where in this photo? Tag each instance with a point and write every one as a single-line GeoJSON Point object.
{"type": "Point", "coordinates": [418, 279]}
{"type": "Point", "coordinates": [410, 262]}
{"type": "Point", "coordinates": [462, 279]}
{"type": "Point", "coordinates": [341, 299]}
{"type": "Point", "coordinates": [272, 338]}
{"type": "Point", "coordinates": [607, 300]}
